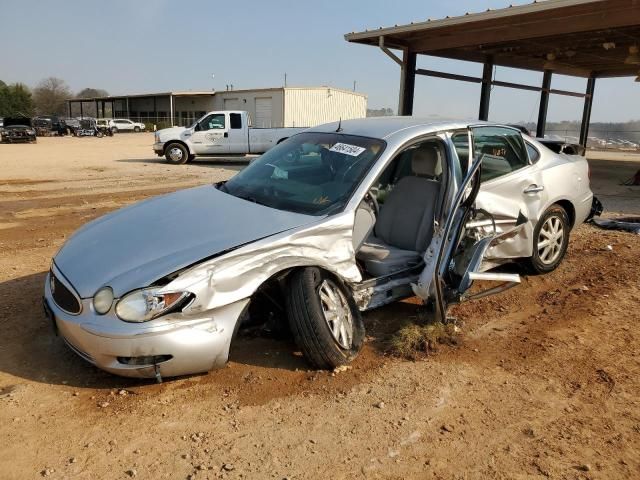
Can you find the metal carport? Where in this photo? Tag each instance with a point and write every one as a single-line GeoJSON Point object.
{"type": "Point", "coordinates": [582, 38]}
{"type": "Point", "coordinates": [155, 107]}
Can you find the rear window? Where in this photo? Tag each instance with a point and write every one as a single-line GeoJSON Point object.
{"type": "Point", "coordinates": [235, 120]}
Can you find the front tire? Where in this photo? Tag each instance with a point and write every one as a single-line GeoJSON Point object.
{"type": "Point", "coordinates": [176, 153]}
{"type": "Point", "coordinates": [114, 129]}
{"type": "Point", "coordinates": [136, 129]}
{"type": "Point", "coordinates": [551, 239]}
{"type": "Point", "coordinates": [323, 318]}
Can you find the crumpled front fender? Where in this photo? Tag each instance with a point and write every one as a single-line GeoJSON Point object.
{"type": "Point", "coordinates": [239, 273]}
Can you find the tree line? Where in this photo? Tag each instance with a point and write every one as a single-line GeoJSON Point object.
{"type": "Point", "coordinates": [48, 97]}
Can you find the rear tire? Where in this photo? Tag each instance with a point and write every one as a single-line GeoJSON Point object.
{"type": "Point", "coordinates": [551, 239]}
{"type": "Point", "coordinates": [323, 318]}
{"type": "Point", "coordinates": [176, 153]}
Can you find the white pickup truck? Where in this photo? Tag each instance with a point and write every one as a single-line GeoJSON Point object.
{"type": "Point", "coordinates": [218, 134]}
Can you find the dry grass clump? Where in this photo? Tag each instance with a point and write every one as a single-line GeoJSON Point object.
{"type": "Point", "coordinates": [413, 340]}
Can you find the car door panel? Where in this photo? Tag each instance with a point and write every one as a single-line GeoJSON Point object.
{"type": "Point", "coordinates": [454, 259]}
{"type": "Point", "coordinates": [515, 200]}
{"type": "Point", "coordinates": [209, 137]}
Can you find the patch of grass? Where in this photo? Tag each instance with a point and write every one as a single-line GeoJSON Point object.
{"type": "Point", "coordinates": [413, 340]}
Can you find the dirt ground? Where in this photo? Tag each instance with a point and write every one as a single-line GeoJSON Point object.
{"type": "Point", "coordinates": [544, 381]}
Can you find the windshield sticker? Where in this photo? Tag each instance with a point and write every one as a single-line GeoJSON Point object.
{"type": "Point", "coordinates": [345, 148]}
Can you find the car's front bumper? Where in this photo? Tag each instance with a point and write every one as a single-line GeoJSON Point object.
{"type": "Point", "coordinates": [174, 344]}
{"type": "Point", "coordinates": [158, 148]}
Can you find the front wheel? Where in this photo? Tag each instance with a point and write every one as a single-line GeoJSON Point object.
{"type": "Point", "coordinates": [136, 129]}
{"type": "Point", "coordinates": [323, 318]}
{"type": "Point", "coordinates": [114, 129]}
{"type": "Point", "coordinates": [176, 153]}
{"type": "Point", "coordinates": [551, 239]}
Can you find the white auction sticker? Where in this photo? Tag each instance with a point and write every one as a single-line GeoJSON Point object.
{"type": "Point", "coordinates": [352, 150]}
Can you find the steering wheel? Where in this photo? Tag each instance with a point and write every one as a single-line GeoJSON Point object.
{"type": "Point", "coordinates": [371, 198]}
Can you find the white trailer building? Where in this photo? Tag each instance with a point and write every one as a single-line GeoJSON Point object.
{"type": "Point", "coordinates": [268, 107]}
{"type": "Point", "coordinates": [294, 106]}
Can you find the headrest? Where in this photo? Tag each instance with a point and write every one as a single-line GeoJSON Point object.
{"type": "Point", "coordinates": [425, 161]}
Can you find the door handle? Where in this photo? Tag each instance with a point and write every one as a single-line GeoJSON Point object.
{"type": "Point", "coordinates": [226, 134]}
{"type": "Point", "coordinates": [534, 188]}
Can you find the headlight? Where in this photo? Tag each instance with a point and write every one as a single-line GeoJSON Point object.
{"type": "Point", "coordinates": [147, 304]}
{"type": "Point", "coordinates": [102, 300]}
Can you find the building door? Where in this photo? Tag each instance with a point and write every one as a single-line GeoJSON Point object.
{"type": "Point", "coordinates": [231, 104]}
{"type": "Point", "coordinates": [264, 107]}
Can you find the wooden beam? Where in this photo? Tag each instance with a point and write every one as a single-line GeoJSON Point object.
{"type": "Point", "coordinates": [485, 90]}
{"type": "Point", "coordinates": [586, 112]}
{"type": "Point", "coordinates": [544, 104]}
{"type": "Point", "coordinates": [496, 83]}
{"type": "Point", "coordinates": [448, 76]}
{"type": "Point", "coordinates": [407, 83]}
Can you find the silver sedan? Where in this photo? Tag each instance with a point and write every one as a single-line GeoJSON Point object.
{"type": "Point", "coordinates": [339, 219]}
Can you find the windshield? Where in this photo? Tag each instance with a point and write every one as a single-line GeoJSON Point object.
{"type": "Point", "coordinates": [311, 173]}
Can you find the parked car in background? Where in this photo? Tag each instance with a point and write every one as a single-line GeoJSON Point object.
{"type": "Point", "coordinates": [69, 126]}
{"type": "Point", "coordinates": [105, 125]}
{"type": "Point", "coordinates": [218, 133]}
{"type": "Point", "coordinates": [336, 220]}
{"type": "Point", "coordinates": [46, 125]}
{"type": "Point", "coordinates": [124, 125]}
{"type": "Point", "coordinates": [555, 143]}
{"type": "Point", "coordinates": [17, 129]}
{"type": "Point", "coordinates": [559, 145]}
{"type": "Point", "coordinates": [88, 128]}
{"type": "Point", "coordinates": [104, 122]}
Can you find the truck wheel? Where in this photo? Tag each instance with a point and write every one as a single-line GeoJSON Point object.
{"type": "Point", "coordinates": [136, 129]}
{"type": "Point", "coordinates": [323, 318]}
{"type": "Point", "coordinates": [551, 239]}
{"type": "Point", "coordinates": [176, 153]}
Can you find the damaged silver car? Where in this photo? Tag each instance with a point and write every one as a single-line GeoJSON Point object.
{"type": "Point", "coordinates": [337, 220]}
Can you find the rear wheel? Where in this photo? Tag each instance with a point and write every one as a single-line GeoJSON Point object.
{"type": "Point", "coordinates": [324, 319]}
{"type": "Point", "coordinates": [176, 153]}
{"type": "Point", "coordinates": [551, 239]}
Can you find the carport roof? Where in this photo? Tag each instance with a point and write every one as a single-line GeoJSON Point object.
{"type": "Point", "coordinates": [587, 38]}
{"type": "Point", "coordinates": [144, 95]}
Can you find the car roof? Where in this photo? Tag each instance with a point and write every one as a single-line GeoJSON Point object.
{"type": "Point", "coordinates": [386, 127]}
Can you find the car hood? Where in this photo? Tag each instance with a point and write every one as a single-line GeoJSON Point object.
{"type": "Point", "coordinates": [170, 133]}
{"type": "Point", "coordinates": [137, 245]}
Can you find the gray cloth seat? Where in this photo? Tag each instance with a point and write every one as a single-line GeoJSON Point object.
{"type": "Point", "coordinates": [404, 226]}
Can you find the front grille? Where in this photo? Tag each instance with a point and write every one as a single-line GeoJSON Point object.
{"type": "Point", "coordinates": [64, 297]}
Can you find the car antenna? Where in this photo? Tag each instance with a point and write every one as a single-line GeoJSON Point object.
{"type": "Point", "coordinates": [339, 129]}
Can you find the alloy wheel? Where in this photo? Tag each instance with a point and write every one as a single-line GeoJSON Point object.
{"type": "Point", "coordinates": [550, 240]}
{"type": "Point", "coordinates": [337, 313]}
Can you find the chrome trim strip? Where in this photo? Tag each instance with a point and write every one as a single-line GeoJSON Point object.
{"type": "Point", "coordinates": [85, 356]}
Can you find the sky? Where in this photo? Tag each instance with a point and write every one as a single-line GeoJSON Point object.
{"type": "Point", "coordinates": [142, 46]}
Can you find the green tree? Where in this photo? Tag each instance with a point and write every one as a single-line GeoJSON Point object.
{"type": "Point", "coordinates": [15, 100]}
{"type": "Point", "coordinates": [50, 96]}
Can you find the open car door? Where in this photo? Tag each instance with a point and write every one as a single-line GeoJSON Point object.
{"type": "Point", "coordinates": [454, 257]}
